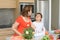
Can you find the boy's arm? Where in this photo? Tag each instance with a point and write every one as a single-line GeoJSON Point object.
{"type": "Point", "coordinates": [45, 31]}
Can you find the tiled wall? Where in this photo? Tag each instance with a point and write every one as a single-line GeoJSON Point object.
{"type": "Point", "coordinates": [6, 16]}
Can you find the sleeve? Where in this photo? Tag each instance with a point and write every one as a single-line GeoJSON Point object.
{"type": "Point", "coordinates": [18, 19]}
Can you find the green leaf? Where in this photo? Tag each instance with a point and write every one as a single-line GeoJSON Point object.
{"type": "Point", "coordinates": [29, 35]}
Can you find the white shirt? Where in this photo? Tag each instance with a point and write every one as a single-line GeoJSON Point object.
{"type": "Point", "coordinates": [40, 29]}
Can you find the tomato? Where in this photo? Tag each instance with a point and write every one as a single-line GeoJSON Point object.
{"type": "Point", "coordinates": [57, 31]}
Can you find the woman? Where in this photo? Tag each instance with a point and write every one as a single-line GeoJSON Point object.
{"type": "Point", "coordinates": [22, 22]}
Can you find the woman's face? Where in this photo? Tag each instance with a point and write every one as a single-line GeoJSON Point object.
{"type": "Point", "coordinates": [29, 13]}
{"type": "Point", "coordinates": [38, 17]}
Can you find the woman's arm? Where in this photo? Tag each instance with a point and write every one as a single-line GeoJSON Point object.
{"type": "Point", "coordinates": [14, 27]}
{"type": "Point", "coordinates": [32, 26]}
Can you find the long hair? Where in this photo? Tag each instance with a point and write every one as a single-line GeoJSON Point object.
{"type": "Point", "coordinates": [25, 10]}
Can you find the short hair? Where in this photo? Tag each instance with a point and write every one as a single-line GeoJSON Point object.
{"type": "Point", "coordinates": [25, 10]}
{"type": "Point", "coordinates": [37, 14]}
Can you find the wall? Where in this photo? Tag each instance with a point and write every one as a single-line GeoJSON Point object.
{"type": "Point", "coordinates": [55, 14]}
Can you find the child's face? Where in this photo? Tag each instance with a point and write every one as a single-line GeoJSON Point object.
{"type": "Point", "coordinates": [38, 17]}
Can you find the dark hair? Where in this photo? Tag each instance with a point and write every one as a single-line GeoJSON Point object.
{"type": "Point", "coordinates": [37, 14]}
{"type": "Point", "coordinates": [25, 10]}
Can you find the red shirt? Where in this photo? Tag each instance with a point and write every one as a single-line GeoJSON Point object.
{"type": "Point", "coordinates": [22, 24]}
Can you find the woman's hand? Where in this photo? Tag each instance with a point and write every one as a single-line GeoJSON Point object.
{"type": "Point", "coordinates": [32, 26]}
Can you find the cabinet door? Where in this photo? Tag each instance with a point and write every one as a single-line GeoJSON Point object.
{"type": "Point", "coordinates": [7, 3]}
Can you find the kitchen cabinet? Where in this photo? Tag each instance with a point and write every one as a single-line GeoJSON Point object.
{"type": "Point", "coordinates": [26, 0]}
{"type": "Point", "coordinates": [7, 3]}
